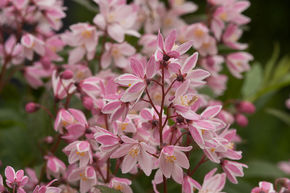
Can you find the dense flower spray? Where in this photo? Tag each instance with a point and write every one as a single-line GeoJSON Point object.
{"type": "Point", "coordinates": [143, 108]}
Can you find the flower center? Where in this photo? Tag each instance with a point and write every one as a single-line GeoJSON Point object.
{"type": "Point", "coordinates": [134, 152]}
{"type": "Point", "coordinates": [170, 158]}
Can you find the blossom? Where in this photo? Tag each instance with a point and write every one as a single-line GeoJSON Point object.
{"type": "Point", "coordinates": [213, 183]}
{"type": "Point", "coordinates": [116, 18]}
{"type": "Point", "coordinates": [87, 177]}
{"type": "Point", "coordinates": [15, 179]}
{"type": "Point", "coordinates": [2, 188]}
{"type": "Point", "coordinates": [84, 38]}
{"type": "Point", "coordinates": [189, 185]}
{"type": "Point", "coordinates": [238, 62]}
{"type": "Point", "coordinates": [138, 81]}
{"type": "Point", "coordinates": [79, 151]}
{"type": "Point", "coordinates": [231, 35]}
{"type": "Point", "coordinates": [32, 44]}
{"type": "Point", "coordinates": [166, 48]}
{"type": "Point", "coordinates": [233, 169]}
{"type": "Point", "coordinates": [264, 187]}
{"type": "Point", "coordinates": [181, 7]}
{"type": "Point", "coordinates": [119, 53]}
{"type": "Point", "coordinates": [54, 166]}
{"type": "Point", "coordinates": [73, 120]}
{"type": "Point", "coordinates": [172, 160]}
{"type": "Point", "coordinates": [47, 188]}
{"type": "Point", "coordinates": [121, 184]}
{"type": "Point", "coordinates": [133, 152]}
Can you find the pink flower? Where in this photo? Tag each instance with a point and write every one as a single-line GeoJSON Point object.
{"type": "Point", "coordinates": [121, 184]}
{"type": "Point", "coordinates": [231, 12]}
{"type": "Point", "coordinates": [73, 120]}
{"type": "Point", "coordinates": [17, 179]}
{"type": "Point", "coordinates": [181, 7]}
{"type": "Point", "coordinates": [134, 152]}
{"type": "Point", "coordinates": [208, 47]}
{"type": "Point", "coordinates": [246, 107]}
{"type": "Point", "coordinates": [189, 185]}
{"type": "Point", "coordinates": [213, 183]}
{"type": "Point", "coordinates": [195, 77]}
{"type": "Point", "coordinates": [32, 44]}
{"type": "Point", "coordinates": [233, 169]}
{"type": "Point", "coordinates": [285, 166]}
{"type": "Point", "coordinates": [108, 140]}
{"type": "Point", "coordinates": [2, 188]}
{"type": "Point", "coordinates": [172, 160]}
{"type": "Point", "coordinates": [217, 82]}
{"type": "Point", "coordinates": [54, 167]}
{"type": "Point", "coordinates": [264, 187]}
{"type": "Point", "coordinates": [87, 177]}
{"type": "Point", "coordinates": [119, 53]}
{"type": "Point", "coordinates": [61, 87]}
{"type": "Point", "coordinates": [117, 19]}
{"type": "Point", "coordinates": [167, 50]}
{"type": "Point", "coordinates": [241, 120]}
{"type": "Point", "coordinates": [84, 38]}
{"type": "Point", "coordinates": [199, 33]}
{"type": "Point", "coordinates": [47, 188]}
{"type": "Point", "coordinates": [238, 62]}
{"type": "Point", "coordinates": [53, 45]}
{"type": "Point", "coordinates": [35, 73]}
{"type": "Point", "coordinates": [231, 36]}
{"type": "Point", "coordinates": [79, 151]}
{"type": "Point", "coordinates": [138, 81]}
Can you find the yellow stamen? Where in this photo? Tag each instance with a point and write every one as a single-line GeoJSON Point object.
{"type": "Point", "coordinates": [81, 153]}
{"type": "Point", "coordinates": [134, 152]}
{"type": "Point", "coordinates": [124, 126]}
{"type": "Point", "coordinates": [170, 158]}
{"type": "Point", "coordinates": [224, 16]}
{"type": "Point", "coordinates": [199, 33]}
{"type": "Point", "coordinates": [87, 34]}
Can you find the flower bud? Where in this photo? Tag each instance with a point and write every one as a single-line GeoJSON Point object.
{"type": "Point", "coordinates": [31, 107]}
{"type": "Point", "coordinates": [241, 120]}
{"type": "Point", "coordinates": [88, 103]}
{"type": "Point", "coordinates": [48, 139]}
{"type": "Point", "coordinates": [288, 103]}
{"type": "Point", "coordinates": [67, 74]}
{"type": "Point", "coordinates": [246, 107]}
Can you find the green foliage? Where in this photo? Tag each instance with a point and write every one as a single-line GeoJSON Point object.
{"type": "Point", "coordinates": [105, 189]}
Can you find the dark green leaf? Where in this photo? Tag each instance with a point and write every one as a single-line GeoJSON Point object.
{"type": "Point", "coordinates": [283, 116]}
{"type": "Point", "coordinates": [253, 81]}
{"type": "Point", "coordinates": [105, 189]}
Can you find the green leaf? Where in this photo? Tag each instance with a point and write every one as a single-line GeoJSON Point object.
{"type": "Point", "coordinates": [270, 64]}
{"type": "Point", "coordinates": [258, 169]}
{"type": "Point", "coordinates": [105, 189]}
{"type": "Point", "coordinates": [252, 81]}
{"type": "Point", "coordinates": [283, 116]}
{"type": "Point", "coordinates": [87, 5]}
{"type": "Point", "coordinates": [282, 69]}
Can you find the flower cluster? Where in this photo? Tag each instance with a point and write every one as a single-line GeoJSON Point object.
{"type": "Point", "coordinates": [143, 110]}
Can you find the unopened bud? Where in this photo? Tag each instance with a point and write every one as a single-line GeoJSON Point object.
{"type": "Point", "coordinates": [241, 120]}
{"type": "Point", "coordinates": [246, 107]}
{"type": "Point", "coordinates": [31, 107]}
{"type": "Point", "coordinates": [67, 74]}
{"type": "Point", "coordinates": [88, 103]}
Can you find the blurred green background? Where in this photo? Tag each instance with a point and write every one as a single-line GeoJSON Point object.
{"type": "Point", "coordinates": [265, 140]}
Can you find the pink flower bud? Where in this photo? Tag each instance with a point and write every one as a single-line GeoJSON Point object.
{"type": "Point", "coordinates": [241, 120]}
{"type": "Point", "coordinates": [88, 103]}
{"type": "Point", "coordinates": [67, 74]}
{"type": "Point", "coordinates": [31, 107]}
{"type": "Point", "coordinates": [246, 107]}
{"type": "Point", "coordinates": [288, 103]}
{"type": "Point", "coordinates": [48, 139]}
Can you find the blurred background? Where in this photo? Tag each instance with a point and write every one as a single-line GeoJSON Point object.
{"type": "Point", "coordinates": [266, 140]}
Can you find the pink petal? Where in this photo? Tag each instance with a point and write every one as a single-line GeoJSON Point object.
{"type": "Point", "coordinates": [211, 111]}
{"type": "Point", "coordinates": [189, 63]}
{"type": "Point", "coordinates": [160, 41]}
{"type": "Point", "coordinates": [137, 67]}
{"type": "Point", "coordinates": [170, 40]}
